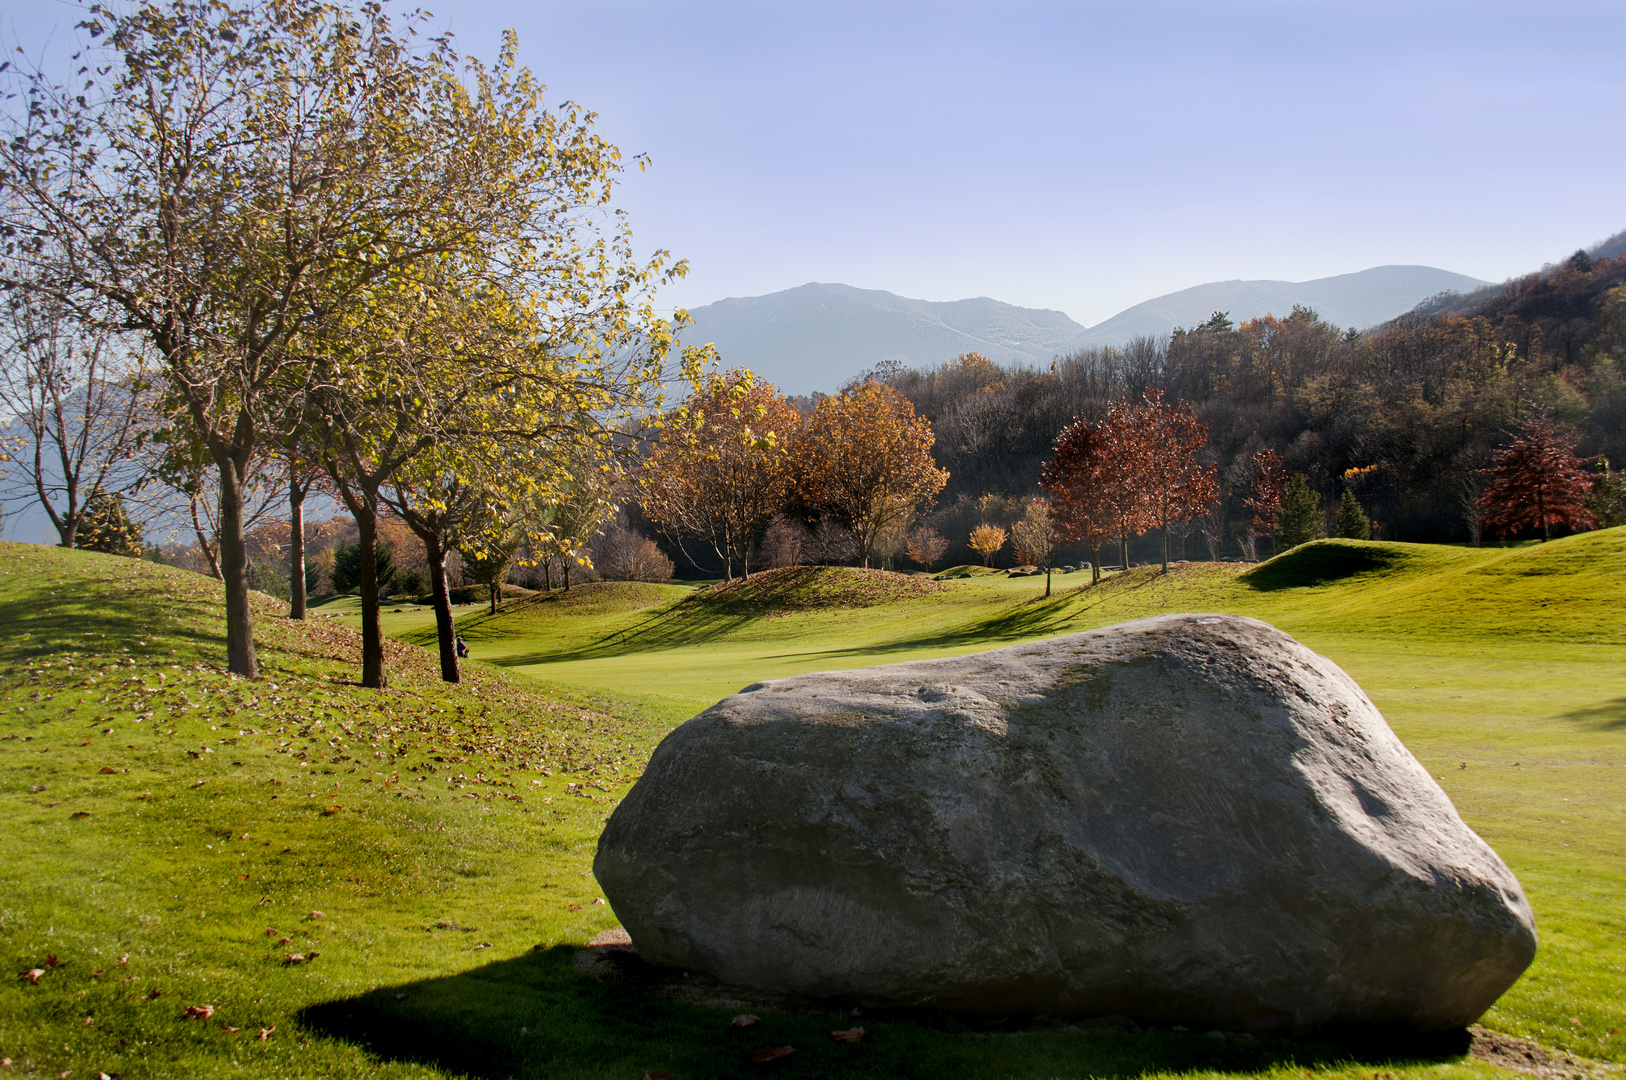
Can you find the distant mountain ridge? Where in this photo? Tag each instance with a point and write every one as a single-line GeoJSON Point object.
{"type": "Point", "coordinates": [817, 336]}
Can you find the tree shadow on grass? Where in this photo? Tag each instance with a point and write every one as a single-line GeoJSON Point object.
{"type": "Point", "coordinates": [543, 1014]}
{"type": "Point", "coordinates": [1605, 716]}
{"type": "Point", "coordinates": [56, 612]}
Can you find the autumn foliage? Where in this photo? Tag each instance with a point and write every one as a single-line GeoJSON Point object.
{"type": "Point", "coordinates": [986, 540]}
{"type": "Point", "coordinates": [1138, 469]}
{"type": "Point", "coordinates": [865, 457]}
{"type": "Point", "coordinates": [721, 469]}
{"type": "Point", "coordinates": [1538, 482]}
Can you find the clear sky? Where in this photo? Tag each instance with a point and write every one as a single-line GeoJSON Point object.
{"type": "Point", "coordinates": [1082, 156]}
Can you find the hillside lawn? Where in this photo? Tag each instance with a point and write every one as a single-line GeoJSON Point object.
{"type": "Point", "coordinates": [166, 825]}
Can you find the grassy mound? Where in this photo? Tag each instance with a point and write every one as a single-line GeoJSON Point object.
{"type": "Point", "coordinates": [813, 588]}
{"type": "Point", "coordinates": [965, 570]}
{"type": "Point", "coordinates": [1323, 562]}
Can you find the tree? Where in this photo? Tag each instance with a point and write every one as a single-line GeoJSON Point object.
{"type": "Point", "coordinates": [721, 470]}
{"type": "Point", "coordinates": [865, 456]}
{"type": "Point", "coordinates": [76, 398]}
{"type": "Point", "coordinates": [1035, 537]}
{"type": "Point", "coordinates": [1353, 524]}
{"type": "Point", "coordinates": [258, 188]}
{"type": "Point", "coordinates": [1538, 482]}
{"type": "Point", "coordinates": [1298, 518]}
{"type": "Point", "coordinates": [1158, 443]}
{"type": "Point", "coordinates": [926, 546]}
{"type": "Point", "coordinates": [1085, 491]}
{"type": "Point", "coordinates": [347, 570]}
{"type": "Point", "coordinates": [1608, 502]}
{"type": "Point", "coordinates": [1270, 481]}
{"type": "Point", "coordinates": [986, 540]}
{"type": "Point", "coordinates": [105, 527]}
{"type": "Point", "coordinates": [443, 512]}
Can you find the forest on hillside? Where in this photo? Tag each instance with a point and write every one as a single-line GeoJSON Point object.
{"type": "Point", "coordinates": [1406, 416]}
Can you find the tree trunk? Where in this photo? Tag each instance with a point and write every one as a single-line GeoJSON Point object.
{"type": "Point", "coordinates": [1047, 579]}
{"type": "Point", "coordinates": [547, 573]}
{"type": "Point", "coordinates": [233, 571]}
{"type": "Point", "coordinates": [1095, 567]}
{"type": "Point", "coordinates": [372, 638]}
{"type": "Point", "coordinates": [564, 570]}
{"type": "Point", "coordinates": [493, 590]}
{"type": "Point", "coordinates": [1164, 529]}
{"type": "Point", "coordinates": [445, 628]}
{"type": "Point", "coordinates": [296, 547]}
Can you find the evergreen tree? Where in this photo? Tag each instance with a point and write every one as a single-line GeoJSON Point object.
{"type": "Point", "coordinates": [347, 566]}
{"type": "Point", "coordinates": [1353, 524]}
{"type": "Point", "coordinates": [105, 527]}
{"type": "Point", "coordinates": [1299, 519]}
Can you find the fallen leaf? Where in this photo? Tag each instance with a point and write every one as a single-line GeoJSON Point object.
{"type": "Point", "coordinates": [294, 958]}
{"type": "Point", "coordinates": [575, 907]}
{"type": "Point", "coordinates": [331, 809]}
{"type": "Point", "coordinates": [744, 1020]}
{"type": "Point", "coordinates": [154, 994]}
{"type": "Point", "coordinates": [265, 1033]}
{"type": "Point", "coordinates": [107, 770]}
{"type": "Point", "coordinates": [231, 1030]}
{"type": "Point", "coordinates": [284, 940]}
{"type": "Point", "coordinates": [599, 900]}
{"type": "Point", "coordinates": [400, 997]}
{"type": "Point", "coordinates": [201, 1012]}
{"type": "Point", "coordinates": [851, 1035]}
{"type": "Point", "coordinates": [124, 961]}
{"type": "Point", "coordinates": [314, 915]}
{"type": "Point", "coordinates": [762, 1057]}
{"type": "Point", "coordinates": [97, 974]}
{"type": "Point", "coordinates": [32, 975]}
{"type": "Point", "coordinates": [51, 961]}
{"type": "Point", "coordinates": [77, 814]}
{"type": "Point", "coordinates": [657, 1074]}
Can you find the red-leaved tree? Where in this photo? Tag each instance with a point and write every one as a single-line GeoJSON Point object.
{"type": "Point", "coordinates": [1157, 444]}
{"type": "Point", "coordinates": [1537, 482]}
{"type": "Point", "coordinates": [1269, 484]}
{"type": "Point", "coordinates": [1078, 480]}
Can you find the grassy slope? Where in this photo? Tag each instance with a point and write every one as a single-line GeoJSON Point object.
{"type": "Point", "coordinates": [1453, 645]}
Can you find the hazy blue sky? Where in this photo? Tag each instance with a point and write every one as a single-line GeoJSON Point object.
{"type": "Point", "coordinates": [1083, 156]}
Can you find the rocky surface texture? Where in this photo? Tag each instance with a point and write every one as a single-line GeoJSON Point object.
{"type": "Point", "coordinates": [1186, 819]}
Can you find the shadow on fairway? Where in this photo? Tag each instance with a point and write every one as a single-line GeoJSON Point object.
{"type": "Point", "coordinates": [1322, 562]}
{"type": "Point", "coordinates": [539, 1015]}
{"type": "Point", "coordinates": [1606, 716]}
{"type": "Point", "coordinates": [55, 611]}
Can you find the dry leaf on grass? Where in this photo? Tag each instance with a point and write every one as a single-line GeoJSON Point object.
{"type": "Point", "coordinates": [762, 1057]}
{"type": "Point", "coordinates": [744, 1020]}
{"type": "Point", "coordinates": [32, 975]}
{"type": "Point", "coordinates": [200, 1012]}
{"type": "Point", "coordinates": [851, 1035]}
{"type": "Point", "coordinates": [265, 1033]}
{"type": "Point", "coordinates": [657, 1074]}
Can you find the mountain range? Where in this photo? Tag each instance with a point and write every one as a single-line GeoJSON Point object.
{"type": "Point", "coordinates": [817, 336]}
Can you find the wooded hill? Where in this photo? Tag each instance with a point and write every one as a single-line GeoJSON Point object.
{"type": "Point", "coordinates": [1405, 415]}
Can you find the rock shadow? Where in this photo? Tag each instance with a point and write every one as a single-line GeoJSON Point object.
{"type": "Point", "coordinates": [567, 1012]}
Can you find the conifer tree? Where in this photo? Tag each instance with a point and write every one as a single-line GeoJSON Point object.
{"type": "Point", "coordinates": [1298, 521]}
{"type": "Point", "coordinates": [1353, 524]}
{"type": "Point", "coordinates": [104, 526]}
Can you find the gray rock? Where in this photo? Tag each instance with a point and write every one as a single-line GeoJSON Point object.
{"type": "Point", "coordinates": [1188, 819]}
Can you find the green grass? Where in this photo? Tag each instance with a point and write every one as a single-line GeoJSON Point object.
{"type": "Point", "coordinates": [1507, 662]}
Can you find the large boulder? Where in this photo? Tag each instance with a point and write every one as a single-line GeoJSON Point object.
{"type": "Point", "coordinates": [1186, 819]}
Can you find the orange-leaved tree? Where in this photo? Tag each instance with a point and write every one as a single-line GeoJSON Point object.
{"type": "Point", "coordinates": [926, 545]}
{"type": "Point", "coordinates": [866, 458]}
{"type": "Point", "coordinates": [1158, 444]}
{"type": "Point", "coordinates": [721, 469]}
{"type": "Point", "coordinates": [1538, 482]}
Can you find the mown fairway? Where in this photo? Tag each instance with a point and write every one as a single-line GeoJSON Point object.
{"type": "Point", "coordinates": [166, 825]}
